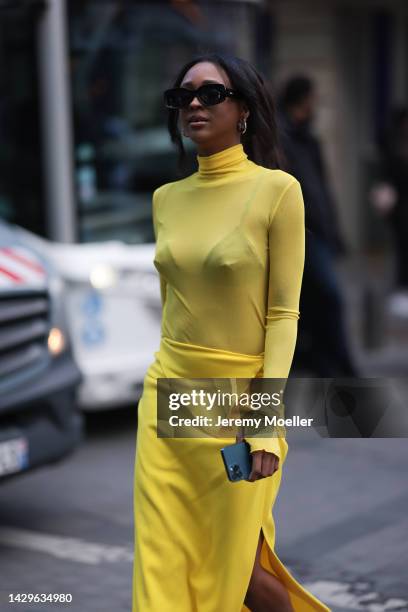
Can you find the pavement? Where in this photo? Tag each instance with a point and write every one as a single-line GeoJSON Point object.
{"type": "Point", "coordinates": [377, 331]}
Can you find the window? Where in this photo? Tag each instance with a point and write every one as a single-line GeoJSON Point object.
{"type": "Point", "coordinates": [21, 172]}
{"type": "Point", "coordinates": [122, 56]}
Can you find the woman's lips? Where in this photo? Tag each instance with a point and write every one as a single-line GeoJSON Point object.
{"type": "Point", "coordinates": [198, 123]}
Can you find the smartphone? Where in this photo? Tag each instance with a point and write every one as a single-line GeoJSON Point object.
{"type": "Point", "coordinates": [237, 460]}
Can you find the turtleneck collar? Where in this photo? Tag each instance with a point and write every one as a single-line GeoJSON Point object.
{"type": "Point", "coordinates": [227, 162]}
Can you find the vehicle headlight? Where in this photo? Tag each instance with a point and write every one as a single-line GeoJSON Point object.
{"type": "Point", "coordinates": [58, 337]}
{"type": "Point", "coordinates": [103, 277]}
{"type": "Point", "coordinates": [56, 341]}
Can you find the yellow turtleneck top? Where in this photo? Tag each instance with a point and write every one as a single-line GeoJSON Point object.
{"type": "Point", "coordinates": [230, 242]}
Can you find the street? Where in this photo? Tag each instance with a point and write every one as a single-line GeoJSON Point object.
{"type": "Point", "coordinates": [341, 522]}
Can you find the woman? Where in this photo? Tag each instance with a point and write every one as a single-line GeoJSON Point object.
{"type": "Point", "coordinates": [230, 254]}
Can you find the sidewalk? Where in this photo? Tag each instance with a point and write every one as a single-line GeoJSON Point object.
{"type": "Point", "coordinates": [379, 337]}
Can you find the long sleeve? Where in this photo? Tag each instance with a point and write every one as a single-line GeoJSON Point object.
{"type": "Point", "coordinates": [286, 239]}
{"type": "Point", "coordinates": [163, 284]}
{"type": "Point", "coordinates": [286, 264]}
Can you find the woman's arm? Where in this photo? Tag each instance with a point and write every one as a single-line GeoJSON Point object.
{"type": "Point", "coordinates": [286, 240]}
{"type": "Point", "coordinates": [163, 284]}
{"type": "Point", "coordinates": [286, 243]}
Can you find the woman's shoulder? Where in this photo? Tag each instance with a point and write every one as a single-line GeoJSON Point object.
{"type": "Point", "coordinates": [280, 178]}
{"type": "Point", "coordinates": [162, 190]}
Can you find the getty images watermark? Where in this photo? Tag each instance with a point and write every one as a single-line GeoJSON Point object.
{"type": "Point", "coordinates": [265, 407]}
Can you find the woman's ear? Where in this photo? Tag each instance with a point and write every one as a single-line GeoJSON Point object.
{"type": "Point", "coordinates": [245, 110]}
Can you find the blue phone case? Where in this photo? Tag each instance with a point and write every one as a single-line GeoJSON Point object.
{"type": "Point", "coordinates": [237, 460]}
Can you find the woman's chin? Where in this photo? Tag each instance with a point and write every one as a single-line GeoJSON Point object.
{"type": "Point", "coordinates": [199, 138]}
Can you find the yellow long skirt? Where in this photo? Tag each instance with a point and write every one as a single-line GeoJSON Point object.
{"type": "Point", "coordinates": [196, 533]}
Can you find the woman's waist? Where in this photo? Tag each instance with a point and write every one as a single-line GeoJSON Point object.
{"type": "Point", "coordinates": [184, 359]}
{"type": "Point", "coordinates": [216, 331]}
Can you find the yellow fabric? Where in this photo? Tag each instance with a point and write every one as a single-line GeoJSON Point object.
{"type": "Point", "coordinates": [230, 254]}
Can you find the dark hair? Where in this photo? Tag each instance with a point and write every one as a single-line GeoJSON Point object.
{"type": "Point", "coordinates": [294, 91]}
{"type": "Point", "coordinates": [260, 141]}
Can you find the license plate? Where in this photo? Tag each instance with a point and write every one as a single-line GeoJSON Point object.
{"type": "Point", "coordinates": [13, 455]}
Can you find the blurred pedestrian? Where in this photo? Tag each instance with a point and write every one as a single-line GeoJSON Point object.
{"type": "Point", "coordinates": [323, 345]}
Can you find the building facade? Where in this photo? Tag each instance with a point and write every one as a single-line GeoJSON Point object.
{"type": "Point", "coordinates": [84, 129]}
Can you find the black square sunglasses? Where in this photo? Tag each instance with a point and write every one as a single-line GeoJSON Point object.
{"type": "Point", "coordinates": [209, 94]}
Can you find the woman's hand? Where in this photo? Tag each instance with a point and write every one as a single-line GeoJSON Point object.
{"type": "Point", "coordinates": [264, 464]}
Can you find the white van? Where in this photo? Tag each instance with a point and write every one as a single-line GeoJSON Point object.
{"type": "Point", "coordinates": [112, 298]}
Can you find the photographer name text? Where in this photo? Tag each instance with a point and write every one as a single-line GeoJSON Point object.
{"type": "Point", "coordinates": [257, 422]}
